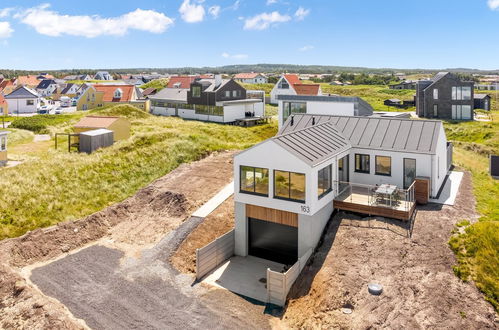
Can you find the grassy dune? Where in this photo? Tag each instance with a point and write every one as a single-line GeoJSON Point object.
{"type": "Point", "coordinates": [63, 186]}
{"type": "Point", "coordinates": [477, 246]}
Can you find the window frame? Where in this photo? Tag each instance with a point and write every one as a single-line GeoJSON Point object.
{"type": "Point", "coordinates": [254, 181]}
{"type": "Point", "coordinates": [376, 165]}
{"type": "Point", "coordinates": [368, 164]}
{"type": "Point", "coordinates": [197, 88]}
{"type": "Point", "coordinates": [435, 93]}
{"type": "Point", "coordinates": [289, 199]}
{"type": "Point", "coordinates": [330, 188]}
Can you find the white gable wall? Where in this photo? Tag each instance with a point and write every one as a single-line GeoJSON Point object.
{"type": "Point", "coordinates": [278, 91]}
{"type": "Point", "coordinates": [21, 106]}
{"type": "Point", "coordinates": [439, 163]}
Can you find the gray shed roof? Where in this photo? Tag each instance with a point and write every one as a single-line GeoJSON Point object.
{"type": "Point", "coordinates": [480, 96]}
{"type": "Point", "coordinates": [314, 144]}
{"type": "Point", "coordinates": [171, 94]}
{"type": "Point", "coordinates": [390, 134]}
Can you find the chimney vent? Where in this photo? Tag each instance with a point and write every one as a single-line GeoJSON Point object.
{"type": "Point", "coordinates": [292, 120]}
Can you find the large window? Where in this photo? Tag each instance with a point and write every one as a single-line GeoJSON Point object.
{"type": "Point", "coordinates": [362, 163]}
{"type": "Point", "coordinates": [254, 180]}
{"type": "Point", "coordinates": [383, 165]}
{"type": "Point", "coordinates": [461, 112]}
{"type": "Point", "coordinates": [324, 181]}
{"type": "Point", "coordinates": [289, 186]}
{"type": "Point", "coordinates": [461, 93]}
{"type": "Point", "coordinates": [435, 94]}
{"type": "Point", "coordinates": [435, 110]}
{"type": "Point", "coordinates": [283, 84]}
{"type": "Point", "coordinates": [290, 108]}
{"type": "Point", "coordinates": [196, 91]}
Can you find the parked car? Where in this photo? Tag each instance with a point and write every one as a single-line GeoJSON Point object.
{"type": "Point", "coordinates": [44, 110]}
{"type": "Point", "coordinates": [59, 111]}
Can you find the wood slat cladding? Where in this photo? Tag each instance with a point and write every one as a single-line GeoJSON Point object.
{"type": "Point", "coordinates": [272, 215]}
{"type": "Point", "coordinates": [422, 190]}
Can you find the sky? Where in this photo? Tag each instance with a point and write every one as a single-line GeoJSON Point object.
{"type": "Point", "coordinates": [93, 34]}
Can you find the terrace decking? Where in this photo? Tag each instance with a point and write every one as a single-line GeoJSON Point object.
{"type": "Point", "coordinates": [362, 199]}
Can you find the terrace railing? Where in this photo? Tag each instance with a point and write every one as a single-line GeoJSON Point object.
{"type": "Point", "coordinates": [363, 194]}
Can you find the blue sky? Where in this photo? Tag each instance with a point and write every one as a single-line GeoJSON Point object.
{"type": "Point", "coordinates": [430, 34]}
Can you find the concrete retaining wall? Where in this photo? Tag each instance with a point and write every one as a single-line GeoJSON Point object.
{"type": "Point", "coordinates": [279, 284]}
{"type": "Point", "coordinates": [214, 254]}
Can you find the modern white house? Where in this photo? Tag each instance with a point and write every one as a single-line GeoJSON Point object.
{"type": "Point", "coordinates": [23, 100]}
{"type": "Point", "coordinates": [287, 187]}
{"type": "Point", "coordinates": [290, 84]}
{"type": "Point", "coordinates": [216, 100]}
{"type": "Point", "coordinates": [46, 87]}
{"type": "Point", "coordinates": [321, 105]}
{"type": "Point", "coordinates": [251, 78]}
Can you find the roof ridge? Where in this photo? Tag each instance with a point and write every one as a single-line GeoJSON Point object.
{"type": "Point", "coordinates": [303, 129]}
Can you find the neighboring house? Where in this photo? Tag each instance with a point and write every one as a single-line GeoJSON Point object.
{"type": "Point", "coordinates": [321, 105]}
{"type": "Point", "coordinates": [290, 84]}
{"type": "Point", "coordinates": [46, 87]}
{"type": "Point", "coordinates": [393, 103]}
{"type": "Point", "coordinates": [7, 86]}
{"type": "Point", "coordinates": [103, 75]}
{"type": "Point", "coordinates": [23, 100]}
{"type": "Point", "coordinates": [183, 82]}
{"type": "Point", "coordinates": [78, 77]}
{"type": "Point", "coordinates": [219, 100]}
{"type": "Point", "coordinates": [120, 126]}
{"type": "Point", "coordinates": [251, 78]}
{"type": "Point", "coordinates": [482, 101]}
{"type": "Point", "coordinates": [404, 85]}
{"type": "Point", "coordinates": [135, 81]}
{"type": "Point", "coordinates": [4, 106]}
{"type": "Point", "coordinates": [70, 89]}
{"type": "Point", "coordinates": [82, 89]}
{"type": "Point", "coordinates": [101, 95]}
{"type": "Point", "coordinates": [30, 80]}
{"type": "Point", "coordinates": [445, 96]}
{"type": "Point", "coordinates": [287, 187]}
{"type": "Point", "coordinates": [3, 148]}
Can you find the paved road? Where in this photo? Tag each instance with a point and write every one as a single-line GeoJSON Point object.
{"type": "Point", "coordinates": [98, 286]}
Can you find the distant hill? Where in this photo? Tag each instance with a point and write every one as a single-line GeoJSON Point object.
{"type": "Point", "coordinates": [269, 68]}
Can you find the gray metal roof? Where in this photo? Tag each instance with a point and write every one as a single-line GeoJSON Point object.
{"type": "Point", "coordinates": [480, 96]}
{"type": "Point", "coordinates": [171, 94]}
{"type": "Point", "coordinates": [314, 144]}
{"type": "Point", "coordinates": [22, 92]}
{"type": "Point", "coordinates": [390, 134]}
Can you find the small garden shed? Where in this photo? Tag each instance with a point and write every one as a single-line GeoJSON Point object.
{"type": "Point", "coordinates": [3, 148]}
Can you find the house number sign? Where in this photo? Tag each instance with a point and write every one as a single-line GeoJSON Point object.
{"type": "Point", "coordinates": [305, 209]}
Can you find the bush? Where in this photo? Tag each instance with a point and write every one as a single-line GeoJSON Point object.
{"type": "Point", "coordinates": [39, 124]}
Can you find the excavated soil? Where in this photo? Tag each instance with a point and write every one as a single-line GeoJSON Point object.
{"type": "Point", "coordinates": [132, 226]}
{"type": "Point", "coordinates": [420, 290]}
{"type": "Point", "coordinates": [215, 225]}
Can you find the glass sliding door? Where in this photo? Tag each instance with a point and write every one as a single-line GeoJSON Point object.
{"type": "Point", "coordinates": [409, 172]}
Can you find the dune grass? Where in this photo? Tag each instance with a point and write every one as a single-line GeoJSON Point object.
{"type": "Point", "coordinates": [63, 186]}
{"type": "Point", "coordinates": [477, 247]}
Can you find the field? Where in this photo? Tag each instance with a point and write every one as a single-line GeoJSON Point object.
{"type": "Point", "coordinates": [62, 186]}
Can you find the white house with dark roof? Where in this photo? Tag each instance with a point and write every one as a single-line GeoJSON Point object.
{"type": "Point", "coordinates": [23, 100]}
{"type": "Point", "coordinates": [46, 87]}
{"type": "Point", "coordinates": [321, 105]}
{"type": "Point", "coordinates": [287, 187]}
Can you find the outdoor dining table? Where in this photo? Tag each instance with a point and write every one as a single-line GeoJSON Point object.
{"type": "Point", "coordinates": [387, 191]}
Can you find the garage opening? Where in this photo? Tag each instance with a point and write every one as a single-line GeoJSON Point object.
{"type": "Point", "coordinates": [273, 241]}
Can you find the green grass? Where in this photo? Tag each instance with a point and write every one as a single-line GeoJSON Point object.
{"type": "Point", "coordinates": [19, 136]}
{"type": "Point", "coordinates": [62, 186]}
{"type": "Point", "coordinates": [267, 88]}
{"type": "Point", "coordinates": [40, 124]}
{"type": "Point", "coordinates": [477, 247]}
{"type": "Point", "coordinates": [156, 83]}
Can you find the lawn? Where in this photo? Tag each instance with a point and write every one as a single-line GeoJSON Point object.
{"type": "Point", "coordinates": [477, 246]}
{"type": "Point", "coordinates": [62, 186]}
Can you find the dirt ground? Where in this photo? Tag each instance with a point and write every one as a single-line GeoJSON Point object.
{"type": "Point", "coordinates": [130, 228]}
{"type": "Point", "coordinates": [420, 290]}
{"type": "Point", "coordinates": [215, 225]}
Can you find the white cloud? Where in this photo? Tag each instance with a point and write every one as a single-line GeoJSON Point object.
{"type": "Point", "coordinates": [265, 20]}
{"type": "Point", "coordinates": [306, 48]}
{"type": "Point", "coordinates": [271, 2]}
{"type": "Point", "coordinates": [192, 12]}
{"type": "Point", "coordinates": [493, 4]}
{"type": "Point", "coordinates": [51, 23]}
{"type": "Point", "coordinates": [5, 12]}
{"type": "Point", "coordinates": [235, 5]}
{"type": "Point", "coordinates": [214, 11]}
{"type": "Point", "coordinates": [5, 30]}
{"type": "Point", "coordinates": [235, 56]}
{"type": "Point", "coordinates": [301, 13]}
